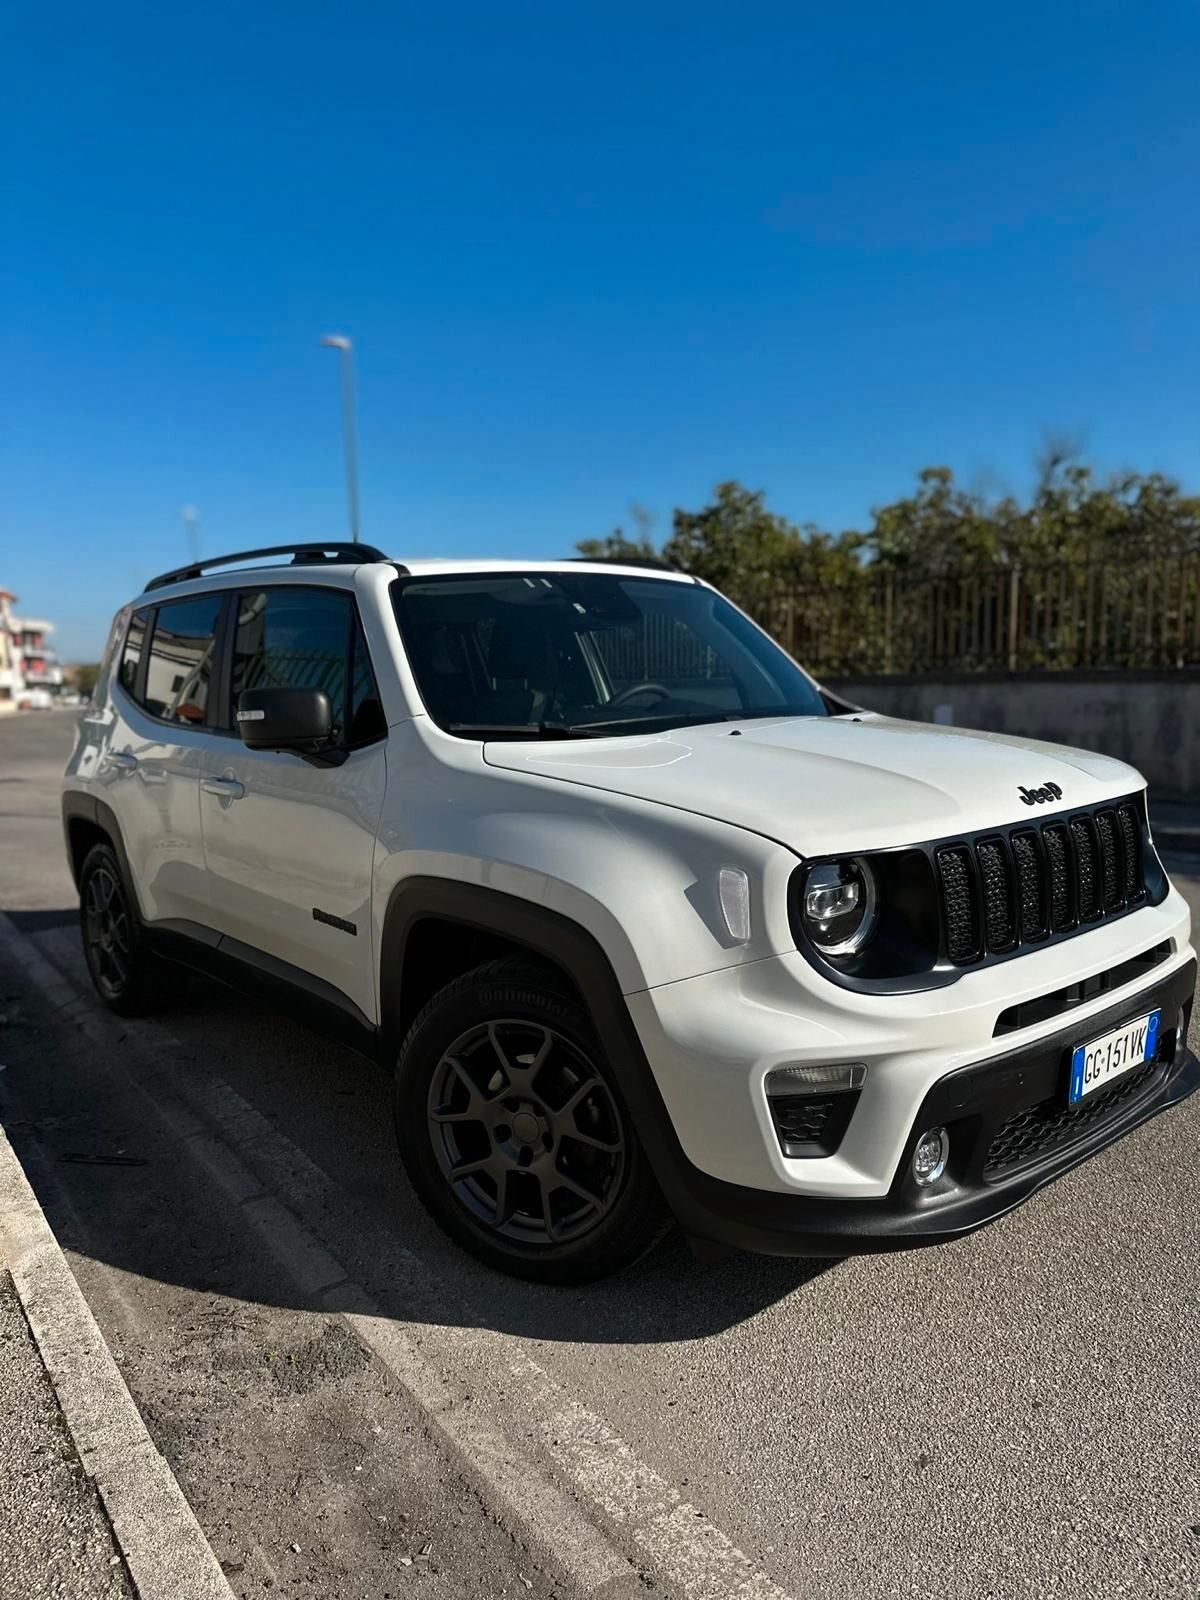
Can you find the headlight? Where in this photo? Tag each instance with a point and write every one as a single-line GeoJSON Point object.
{"type": "Point", "coordinates": [840, 905]}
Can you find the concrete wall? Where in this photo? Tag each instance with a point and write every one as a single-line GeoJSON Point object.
{"type": "Point", "coordinates": [1151, 720]}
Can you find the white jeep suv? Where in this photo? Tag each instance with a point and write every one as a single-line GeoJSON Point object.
{"type": "Point", "coordinates": [643, 921]}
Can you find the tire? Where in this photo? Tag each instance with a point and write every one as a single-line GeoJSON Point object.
{"type": "Point", "coordinates": [548, 1180]}
{"type": "Point", "coordinates": [127, 976]}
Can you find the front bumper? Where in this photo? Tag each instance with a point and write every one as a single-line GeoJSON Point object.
{"type": "Point", "coordinates": [1011, 1134]}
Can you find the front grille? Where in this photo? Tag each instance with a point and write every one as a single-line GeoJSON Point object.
{"type": "Point", "coordinates": [811, 1124]}
{"type": "Point", "coordinates": [1050, 1124]}
{"type": "Point", "coordinates": [1006, 890]}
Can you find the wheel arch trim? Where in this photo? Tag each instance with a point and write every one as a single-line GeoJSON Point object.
{"type": "Point", "coordinates": [572, 950]}
{"type": "Point", "coordinates": [80, 807]}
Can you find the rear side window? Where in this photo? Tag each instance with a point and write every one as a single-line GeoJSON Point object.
{"type": "Point", "coordinates": [135, 643]}
{"type": "Point", "coordinates": [182, 660]}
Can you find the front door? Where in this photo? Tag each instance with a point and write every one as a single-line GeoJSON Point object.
{"type": "Point", "coordinates": [289, 843]}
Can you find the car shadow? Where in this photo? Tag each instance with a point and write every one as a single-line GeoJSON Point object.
{"type": "Point", "coordinates": [42, 921]}
{"type": "Point", "coordinates": [110, 1176]}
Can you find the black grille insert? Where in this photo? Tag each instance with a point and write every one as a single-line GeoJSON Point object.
{"type": "Point", "coordinates": [1031, 885]}
{"type": "Point", "coordinates": [1131, 851]}
{"type": "Point", "coordinates": [1111, 893]}
{"type": "Point", "coordinates": [812, 1124]}
{"type": "Point", "coordinates": [1002, 891]}
{"type": "Point", "coordinates": [996, 889]}
{"type": "Point", "coordinates": [1058, 856]}
{"type": "Point", "coordinates": [1032, 1132]}
{"type": "Point", "coordinates": [960, 903]}
{"type": "Point", "coordinates": [1083, 837]}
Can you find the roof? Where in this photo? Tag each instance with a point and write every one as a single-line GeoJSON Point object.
{"type": "Point", "coordinates": [308, 567]}
{"type": "Point", "coordinates": [433, 566]}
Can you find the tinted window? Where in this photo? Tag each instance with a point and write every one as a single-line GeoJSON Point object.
{"type": "Point", "coordinates": [182, 658]}
{"type": "Point", "coordinates": [590, 651]}
{"type": "Point", "coordinates": [293, 639]}
{"type": "Point", "coordinates": [135, 641]}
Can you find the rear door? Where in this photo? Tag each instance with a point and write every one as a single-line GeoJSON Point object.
{"type": "Point", "coordinates": [163, 701]}
{"type": "Point", "coordinates": [289, 843]}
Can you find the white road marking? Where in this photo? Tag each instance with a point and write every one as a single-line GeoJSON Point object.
{"type": "Point", "coordinates": [689, 1556]}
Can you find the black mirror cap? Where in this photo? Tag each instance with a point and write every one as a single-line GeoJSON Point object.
{"type": "Point", "coordinates": [284, 719]}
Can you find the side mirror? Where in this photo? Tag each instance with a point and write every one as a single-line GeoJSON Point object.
{"type": "Point", "coordinates": [300, 720]}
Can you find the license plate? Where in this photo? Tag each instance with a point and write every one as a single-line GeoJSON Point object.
{"type": "Point", "coordinates": [1095, 1064]}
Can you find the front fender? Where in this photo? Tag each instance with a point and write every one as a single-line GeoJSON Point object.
{"type": "Point", "coordinates": [639, 876]}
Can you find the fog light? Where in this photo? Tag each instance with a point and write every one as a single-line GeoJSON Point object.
{"type": "Point", "coordinates": [930, 1156]}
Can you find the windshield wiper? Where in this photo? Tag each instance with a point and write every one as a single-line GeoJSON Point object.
{"type": "Point", "coordinates": [676, 719]}
{"type": "Point", "coordinates": [549, 728]}
{"type": "Point", "coordinates": [688, 719]}
{"type": "Point", "coordinates": [546, 729]}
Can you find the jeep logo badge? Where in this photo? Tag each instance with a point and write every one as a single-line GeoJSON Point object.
{"type": "Point", "coordinates": [1038, 797]}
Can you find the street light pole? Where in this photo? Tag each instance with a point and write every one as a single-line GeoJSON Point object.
{"type": "Point", "coordinates": [339, 341]}
{"type": "Point", "coordinates": [191, 529]}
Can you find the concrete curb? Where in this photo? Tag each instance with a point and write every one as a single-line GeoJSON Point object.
{"type": "Point", "coordinates": [167, 1554]}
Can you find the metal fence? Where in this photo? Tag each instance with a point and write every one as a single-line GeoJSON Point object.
{"type": "Point", "coordinates": [1130, 616]}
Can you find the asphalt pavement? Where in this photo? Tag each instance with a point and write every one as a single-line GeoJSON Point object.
{"type": "Point", "coordinates": [1012, 1416]}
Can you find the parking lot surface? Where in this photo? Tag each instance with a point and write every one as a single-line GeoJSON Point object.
{"type": "Point", "coordinates": [1015, 1415]}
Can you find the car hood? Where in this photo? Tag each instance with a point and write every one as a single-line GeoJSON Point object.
{"type": "Point", "coordinates": [827, 785]}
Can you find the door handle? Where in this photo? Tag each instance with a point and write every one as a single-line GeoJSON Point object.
{"type": "Point", "coordinates": [223, 788]}
{"type": "Point", "coordinates": [121, 759]}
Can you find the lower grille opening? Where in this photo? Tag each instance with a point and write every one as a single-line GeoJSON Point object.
{"type": "Point", "coordinates": [1051, 1124]}
{"type": "Point", "coordinates": [1044, 1006]}
{"type": "Point", "coordinates": [811, 1124]}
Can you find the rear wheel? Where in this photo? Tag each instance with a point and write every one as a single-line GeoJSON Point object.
{"type": "Point", "coordinates": [125, 973]}
{"type": "Point", "coordinates": [513, 1131]}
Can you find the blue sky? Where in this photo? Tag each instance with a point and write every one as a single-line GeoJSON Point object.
{"type": "Point", "coordinates": [589, 254]}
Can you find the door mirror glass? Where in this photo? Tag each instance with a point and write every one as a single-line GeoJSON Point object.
{"type": "Point", "coordinates": [300, 720]}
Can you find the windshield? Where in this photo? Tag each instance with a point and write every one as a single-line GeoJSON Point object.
{"type": "Point", "coordinates": [530, 655]}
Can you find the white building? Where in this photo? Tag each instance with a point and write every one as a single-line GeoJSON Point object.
{"type": "Point", "coordinates": [26, 659]}
{"type": "Point", "coordinates": [39, 663]}
{"type": "Point", "coordinates": [11, 679]}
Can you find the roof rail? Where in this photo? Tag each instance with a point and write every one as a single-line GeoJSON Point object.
{"type": "Point", "coordinates": [651, 563]}
{"type": "Point", "coordinates": [302, 555]}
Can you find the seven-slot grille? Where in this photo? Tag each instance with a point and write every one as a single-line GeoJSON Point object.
{"type": "Point", "coordinates": [1015, 887]}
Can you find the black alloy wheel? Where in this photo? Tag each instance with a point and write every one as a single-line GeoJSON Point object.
{"type": "Point", "coordinates": [127, 975]}
{"type": "Point", "coordinates": [514, 1133]}
{"type": "Point", "coordinates": [106, 933]}
{"type": "Point", "coordinates": [526, 1131]}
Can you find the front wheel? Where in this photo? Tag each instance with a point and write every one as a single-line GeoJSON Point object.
{"type": "Point", "coordinates": [514, 1134]}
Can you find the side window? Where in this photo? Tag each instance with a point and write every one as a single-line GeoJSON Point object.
{"type": "Point", "coordinates": [135, 643]}
{"type": "Point", "coordinates": [182, 658]}
{"type": "Point", "coordinates": [293, 638]}
{"type": "Point", "coordinates": [367, 721]}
